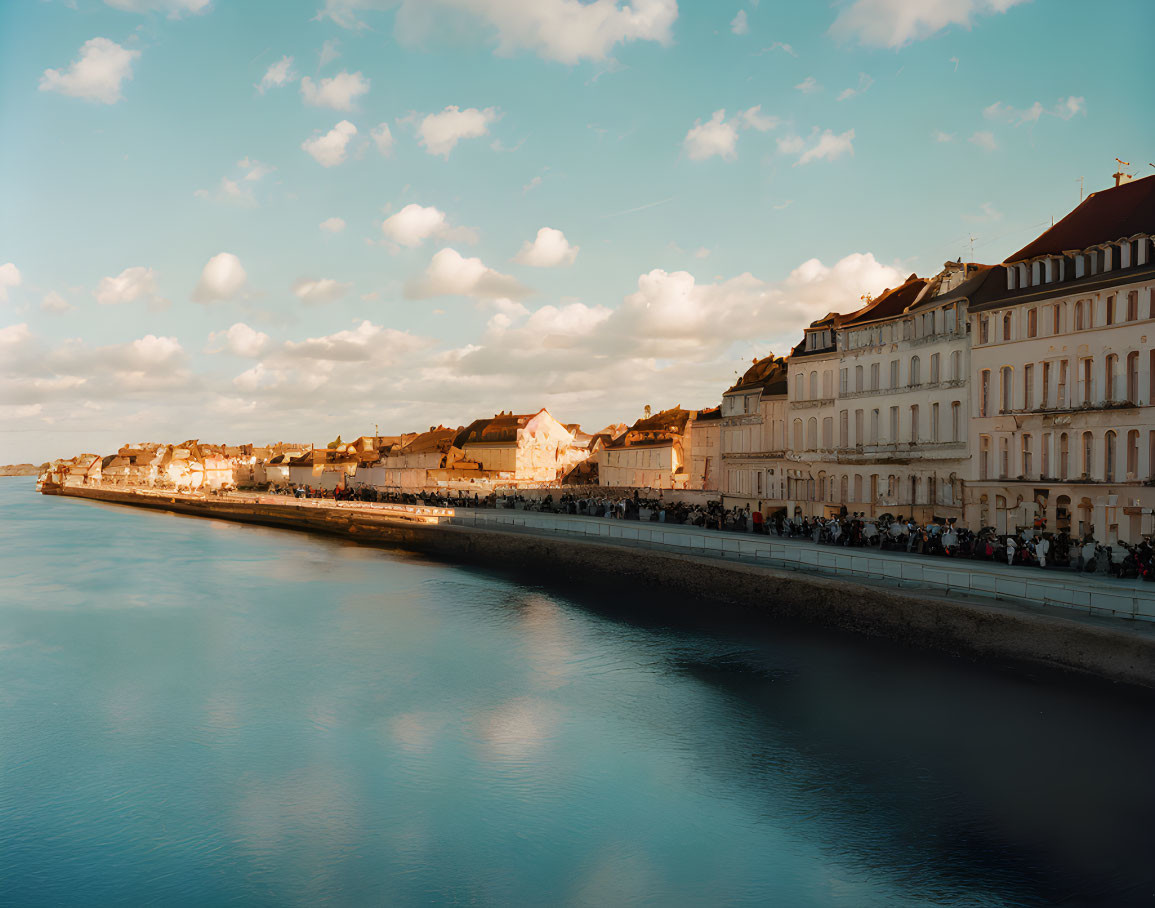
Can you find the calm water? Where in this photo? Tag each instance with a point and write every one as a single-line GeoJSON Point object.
{"type": "Point", "coordinates": [195, 713]}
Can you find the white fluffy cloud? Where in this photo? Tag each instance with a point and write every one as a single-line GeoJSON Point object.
{"type": "Point", "coordinates": [174, 8]}
{"type": "Point", "coordinates": [808, 86]}
{"type": "Point", "coordinates": [9, 277]}
{"type": "Point", "coordinates": [549, 249]}
{"type": "Point", "coordinates": [563, 30]}
{"type": "Point", "coordinates": [332, 225]}
{"type": "Point", "coordinates": [414, 224]}
{"type": "Point", "coordinates": [984, 139]}
{"type": "Point", "coordinates": [222, 278]}
{"type": "Point", "coordinates": [824, 145]}
{"type": "Point", "coordinates": [239, 188]}
{"type": "Point", "coordinates": [55, 303]}
{"type": "Point", "coordinates": [277, 75]}
{"type": "Point", "coordinates": [719, 136]}
{"type": "Point", "coordinates": [136, 283]}
{"type": "Point", "coordinates": [893, 23]}
{"type": "Point", "coordinates": [339, 92]}
{"type": "Point", "coordinates": [96, 75]}
{"type": "Point", "coordinates": [739, 25]}
{"type": "Point", "coordinates": [451, 274]}
{"type": "Point", "coordinates": [440, 132]}
{"type": "Point", "coordinates": [240, 340]}
{"type": "Point", "coordinates": [383, 139]}
{"type": "Point", "coordinates": [1064, 109]}
{"type": "Point", "coordinates": [716, 136]}
{"type": "Point", "coordinates": [329, 149]}
{"type": "Point", "coordinates": [316, 290]}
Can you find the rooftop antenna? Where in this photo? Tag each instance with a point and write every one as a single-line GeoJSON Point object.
{"type": "Point", "coordinates": [1119, 175]}
{"type": "Point", "coordinates": [971, 236]}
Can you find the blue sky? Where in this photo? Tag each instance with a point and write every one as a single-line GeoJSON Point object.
{"type": "Point", "coordinates": [712, 176]}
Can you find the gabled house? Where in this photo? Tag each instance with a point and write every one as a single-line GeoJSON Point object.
{"type": "Point", "coordinates": [653, 453]}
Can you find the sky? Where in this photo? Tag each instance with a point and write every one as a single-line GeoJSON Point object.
{"type": "Point", "coordinates": [260, 221]}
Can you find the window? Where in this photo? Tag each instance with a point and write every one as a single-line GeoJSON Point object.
{"type": "Point", "coordinates": [894, 373]}
{"type": "Point", "coordinates": [797, 435]}
{"type": "Point", "coordinates": [984, 330]}
{"type": "Point", "coordinates": [828, 383]}
{"type": "Point", "coordinates": [984, 457]}
{"type": "Point", "coordinates": [934, 426]}
{"type": "Point", "coordinates": [1088, 381]}
{"type": "Point", "coordinates": [1007, 326]}
{"type": "Point", "coordinates": [812, 434]}
{"type": "Point", "coordinates": [985, 393]}
{"type": "Point", "coordinates": [1088, 453]}
{"type": "Point", "coordinates": [874, 376]}
{"type": "Point", "coordinates": [844, 429]}
{"type": "Point", "coordinates": [1046, 384]}
{"type": "Point", "coordinates": [799, 387]}
{"type": "Point", "coordinates": [1133, 454]}
{"type": "Point", "coordinates": [1033, 323]}
{"type": "Point", "coordinates": [1112, 366]}
{"type": "Point", "coordinates": [1109, 456]}
{"type": "Point", "coordinates": [828, 433]}
{"type": "Point", "coordinates": [1004, 457]}
{"type": "Point", "coordinates": [858, 378]}
{"type": "Point", "coordinates": [1007, 378]}
{"type": "Point", "coordinates": [1028, 386]}
{"type": "Point", "coordinates": [893, 439]}
{"type": "Point", "coordinates": [1133, 377]}
{"type": "Point", "coordinates": [1061, 397]}
{"type": "Point", "coordinates": [843, 383]}
{"type": "Point", "coordinates": [874, 418]}
{"type": "Point", "coordinates": [858, 437]}
{"type": "Point", "coordinates": [858, 487]}
{"type": "Point", "coordinates": [1045, 456]}
{"type": "Point", "coordinates": [1026, 455]}
{"type": "Point", "coordinates": [814, 386]}
{"type": "Point", "coordinates": [934, 360]}
{"type": "Point", "coordinates": [1064, 457]}
{"type": "Point", "coordinates": [955, 365]}
{"type": "Point", "coordinates": [1111, 309]}
{"type": "Point", "coordinates": [956, 421]}
{"type": "Point", "coordinates": [1056, 320]}
{"type": "Point", "coordinates": [914, 424]}
{"type": "Point", "coordinates": [1081, 315]}
{"type": "Point", "coordinates": [915, 371]}
{"type": "Point", "coordinates": [1133, 306]}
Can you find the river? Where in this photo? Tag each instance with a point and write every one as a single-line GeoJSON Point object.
{"type": "Point", "coordinates": [194, 712]}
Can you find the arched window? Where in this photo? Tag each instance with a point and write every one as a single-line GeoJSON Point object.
{"type": "Point", "coordinates": [812, 434]}
{"type": "Point", "coordinates": [1112, 366]}
{"type": "Point", "coordinates": [1133, 377]}
{"type": "Point", "coordinates": [1064, 457]}
{"type": "Point", "coordinates": [934, 368]}
{"type": "Point", "coordinates": [1110, 309]}
{"type": "Point", "coordinates": [1133, 306]}
{"type": "Point", "coordinates": [1080, 315]}
{"type": "Point", "coordinates": [814, 386]}
{"type": "Point", "coordinates": [1109, 456]}
{"type": "Point", "coordinates": [844, 490]}
{"type": "Point", "coordinates": [797, 435]}
{"type": "Point", "coordinates": [1033, 323]}
{"type": "Point", "coordinates": [1088, 453]}
{"type": "Point", "coordinates": [984, 457]}
{"type": "Point", "coordinates": [1007, 326]}
{"type": "Point", "coordinates": [915, 371]}
{"type": "Point", "coordinates": [1056, 319]}
{"type": "Point", "coordinates": [955, 365]}
{"type": "Point", "coordinates": [1133, 454]}
{"type": "Point", "coordinates": [858, 378]}
{"type": "Point", "coordinates": [1007, 376]}
{"type": "Point", "coordinates": [799, 387]}
{"type": "Point", "coordinates": [858, 487]}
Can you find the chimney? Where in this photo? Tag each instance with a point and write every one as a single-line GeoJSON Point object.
{"type": "Point", "coordinates": [1119, 175]}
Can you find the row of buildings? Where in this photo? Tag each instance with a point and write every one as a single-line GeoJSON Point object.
{"type": "Point", "coordinates": [998, 395]}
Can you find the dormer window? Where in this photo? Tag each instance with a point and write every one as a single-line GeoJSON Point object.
{"type": "Point", "coordinates": [1080, 265]}
{"type": "Point", "coordinates": [1011, 278]}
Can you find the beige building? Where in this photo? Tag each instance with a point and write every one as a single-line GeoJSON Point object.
{"type": "Point", "coordinates": [527, 448]}
{"type": "Point", "coordinates": [706, 456]}
{"type": "Point", "coordinates": [654, 453]}
{"type": "Point", "coordinates": [1063, 421]}
{"type": "Point", "coordinates": [753, 437]}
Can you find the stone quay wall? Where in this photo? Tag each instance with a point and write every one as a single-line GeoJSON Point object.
{"type": "Point", "coordinates": [915, 618]}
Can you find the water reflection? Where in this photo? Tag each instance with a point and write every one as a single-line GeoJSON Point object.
{"type": "Point", "coordinates": [198, 713]}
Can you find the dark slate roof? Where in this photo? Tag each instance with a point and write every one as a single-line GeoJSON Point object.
{"type": "Point", "coordinates": [1103, 217]}
{"type": "Point", "coordinates": [887, 304]}
{"type": "Point", "coordinates": [768, 373]}
{"type": "Point", "coordinates": [994, 292]}
{"type": "Point", "coordinates": [708, 414]}
{"type": "Point", "coordinates": [977, 275]}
